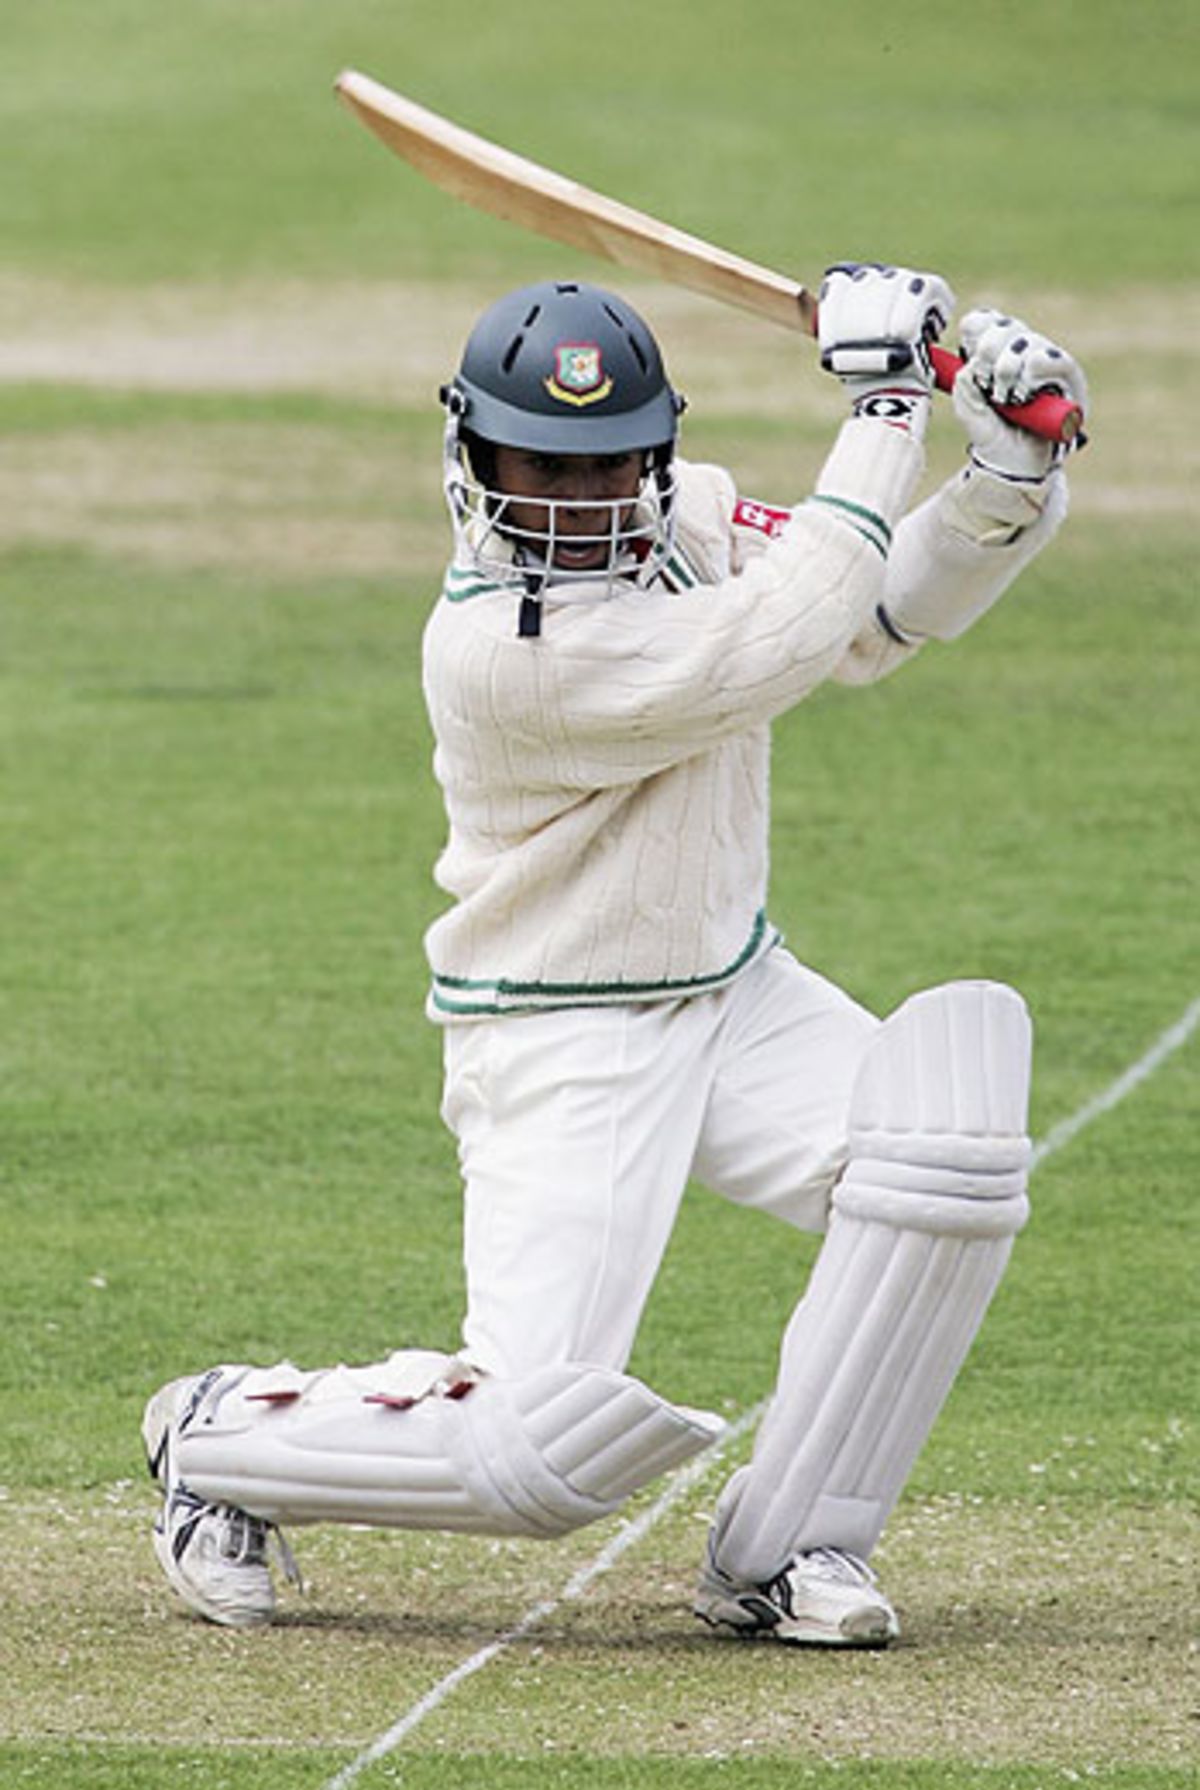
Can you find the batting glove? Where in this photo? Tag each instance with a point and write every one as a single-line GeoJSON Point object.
{"type": "Point", "coordinates": [874, 327]}
{"type": "Point", "coordinates": [1009, 363]}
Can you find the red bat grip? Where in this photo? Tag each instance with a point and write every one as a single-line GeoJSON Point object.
{"type": "Point", "coordinates": [1052, 417]}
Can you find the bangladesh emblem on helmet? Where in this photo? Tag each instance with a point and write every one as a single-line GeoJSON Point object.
{"type": "Point", "coordinates": [578, 377]}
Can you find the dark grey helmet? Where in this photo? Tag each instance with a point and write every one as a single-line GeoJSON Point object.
{"type": "Point", "coordinates": [566, 368]}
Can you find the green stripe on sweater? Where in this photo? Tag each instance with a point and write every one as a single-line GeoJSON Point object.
{"type": "Point", "coordinates": [867, 523]}
{"type": "Point", "coordinates": [465, 995]}
{"type": "Point", "coordinates": [460, 585]}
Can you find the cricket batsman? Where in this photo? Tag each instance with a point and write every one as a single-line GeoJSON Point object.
{"type": "Point", "coordinates": [616, 633]}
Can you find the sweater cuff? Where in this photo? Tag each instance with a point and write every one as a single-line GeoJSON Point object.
{"type": "Point", "coordinates": [869, 479]}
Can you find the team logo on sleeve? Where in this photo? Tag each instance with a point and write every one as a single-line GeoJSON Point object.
{"type": "Point", "coordinates": [763, 518]}
{"type": "Point", "coordinates": [578, 376]}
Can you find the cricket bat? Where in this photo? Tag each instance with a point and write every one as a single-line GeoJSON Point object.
{"type": "Point", "coordinates": [506, 185]}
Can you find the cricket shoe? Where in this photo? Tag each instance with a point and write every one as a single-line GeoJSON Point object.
{"type": "Point", "coordinates": [214, 1555]}
{"type": "Point", "coordinates": [824, 1597]}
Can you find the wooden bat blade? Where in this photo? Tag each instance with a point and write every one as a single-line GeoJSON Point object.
{"type": "Point", "coordinates": [508, 186]}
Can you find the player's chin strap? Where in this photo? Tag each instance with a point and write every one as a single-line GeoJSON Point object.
{"type": "Point", "coordinates": [633, 560]}
{"type": "Point", "coordinates": [529, 615]}
{"type": "Point", "coordinates": [921, 1230]}
{"type": "Point", "coordinates": [420, 1442]}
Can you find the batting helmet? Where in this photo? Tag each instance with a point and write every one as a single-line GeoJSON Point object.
{"type": "Point", "coordinates": [564, 368]}
{"type": "Point", "coordinates": [559, 368]}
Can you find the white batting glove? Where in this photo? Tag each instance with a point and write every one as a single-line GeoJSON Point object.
{"type": "Point", "coordinates": [874, 327]}
{"type": "Point", "coordinates": [1009, 363]}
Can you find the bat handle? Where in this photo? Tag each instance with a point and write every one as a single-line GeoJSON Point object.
{"type": "Point", "coordinates": [1047, 415]}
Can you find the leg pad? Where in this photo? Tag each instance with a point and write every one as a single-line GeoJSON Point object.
{"type": "Point", "coordinates": [536, 1456]}
{"type": "Point", "coordinates": [920, 1234]}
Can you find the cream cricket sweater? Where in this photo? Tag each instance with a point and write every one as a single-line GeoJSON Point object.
{"type": "Point", "coordinates": [606, 783]}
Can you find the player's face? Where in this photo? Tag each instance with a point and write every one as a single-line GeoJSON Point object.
{"type": "Point", "coordinates": [583, 489]}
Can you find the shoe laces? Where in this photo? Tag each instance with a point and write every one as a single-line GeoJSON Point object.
{"type": "Point", "coordinates": [836, 1563]}
{"type": "Point", "coordinates": [248, 1541]}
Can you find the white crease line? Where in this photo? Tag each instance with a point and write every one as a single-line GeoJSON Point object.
{"type": "Point", "coordinates": [682, 1482]}
{"type": "Point", "coordinates": [627, 1537]}
{"type": "Point", "coordinates": [1164, 1046]}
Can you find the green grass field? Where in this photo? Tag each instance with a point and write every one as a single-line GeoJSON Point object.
{"type": "Point", "coordinates": [224, 313]}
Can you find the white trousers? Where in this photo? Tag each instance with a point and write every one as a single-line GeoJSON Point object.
{"type": "Point", "coordinates": [578, 1131]}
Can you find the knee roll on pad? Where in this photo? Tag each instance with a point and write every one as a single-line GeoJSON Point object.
{"type": "Point", "coordinates": [536, 1456]}
{"type": "Point", "coordinates": [938, 1115]}
{"type": "Point", "coordinates": [920, 1233]}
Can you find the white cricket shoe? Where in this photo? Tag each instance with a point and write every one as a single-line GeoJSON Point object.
{"type": "Point", "coordinates": [214, 1555]}
{"type": "Point", "coordinates": [825, 1597]}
